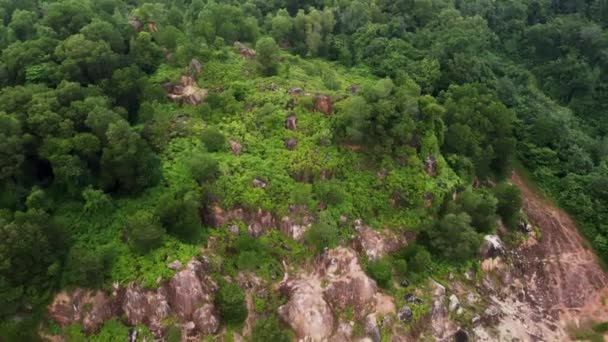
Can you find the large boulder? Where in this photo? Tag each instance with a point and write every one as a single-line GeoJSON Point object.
{"type": "Point", "coordinates": [85, 307]}
{"type": "Point", "coordinates": [186, 92]}
{"type": "Point", "coordinates": [306, 312]}
{"type": "Point", "coordinates": [491, 247]}
{"type": "Point", "coordinates": [206, 319]}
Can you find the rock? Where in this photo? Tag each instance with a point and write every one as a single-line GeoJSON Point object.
{"type": "Point", "coordinates": [291, 144]}
{"type": "Point", "coordinates": [217, 217]}
{"type": "Point", "coordinates": [306, 312]}
{"type": "Point", "coordinates": [236, 147]}
{"type": "Point", "coordinates": [461, 336]}
{"type": "Point", "coordinates": [195, 67]}
{"type": "Point", "coordinates": [525, 226]}
{"type": "Point", "coordinates": [189, 289]}
{"type": "Point", "coordinates": [136, 24]}
{"type": "Point", "coordinates": [132, 335]}
{"type": "Point", "coordinates": [454, 303]}
{"type": "Point", "coordinates": [440, 322]}
{"type": "Point", "coordinates": [234, 229]}
{"type": "Point", "coordinates": [86, 307]}
{"type": "Point", "coordinates": [255, 230]}
{"type": "Point", "coordinates": [206, 319]}
{"type": "Point", "coordinates": [410, 298]}
{"type": "Point", "coordinates": [323, 104]}
{"type": "Point", "coordinates": [476, 319]}
{"type": "Point", "coordinates": [186, 92]}
{"type": "Point", "coordinates": [371, 328]}
{"type": "Point", "coordinates": [258, 183]}
{"type": "Point", "coordinates": [491, 315]}
{"type": "Point", "coordinates": [430, 166]}
{"type": "Point", "coordinates": [295, 231]}
{"type": "Point", "coordinates": [175, 265]}
{"type": "Point", "coordinates": [244, 50]}
{"type": "Point", "coordinates": [146, 307]}
{"type": "Point", "coordinates": [374, 244]}
{"type": "Point", "coordinates": [291, 122]}
{"type": "Point", "coordinates": [405, 314]}
{"type": "Point", "coordinates": [491, 247]}
{"type": "Point", "coordinates": [404, 283]}
{"type": "Point", "coordinates": [472, 298]}
{"type": "Point", "coordinates": [296, 91]}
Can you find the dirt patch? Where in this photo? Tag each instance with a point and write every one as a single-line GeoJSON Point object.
{"type": "Point", "coordinates": [561, 274]}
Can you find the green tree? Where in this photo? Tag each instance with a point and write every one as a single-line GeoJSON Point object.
{"type": "Point", "coordinates": [509, 203]}
{"type": "Point", "coordinates": [270, 329]}
{"type": "Point", "coordinates": [381, 272]}
{"type": "Point", "coordinates": [453, 238]}
{"type": "Point", "coordinates": [145, 53]}
{"type": "Point", "coordinates": [323, 233]}
{"type": "Point", "coordinates": [267, 56]}
{"type": "Point", "coordinates": [202, 166]}
{"type": "Point", "coordinates": [179, 214]}
{"type": "Point", "coordinates": [12, 150]}
{"type": "Point", "coordinates": [144, 231]}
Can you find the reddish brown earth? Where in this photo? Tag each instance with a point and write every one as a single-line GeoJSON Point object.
{"type": "Point", "coordinates": [561, 274]}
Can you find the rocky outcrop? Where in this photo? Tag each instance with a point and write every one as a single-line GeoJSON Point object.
{"type": "Point", "coordinates": [85, 307]}
{"type": "Point", "coordinates": [195, 67]}
{"type": "Point", "coordinates": [186, 91]}
{"type": "Point", "coordinates": [441, 326]}
{"type": "Point", "coordinates": [323, 104]}
{"type": "Point", "coordinates": [187, 298]}
{"type": "Point", "coordinates": [375, 244]}
{"type": "Point", "coordinates": [336, 283]}
{"type": "Point", "coordinates": [295, 230]}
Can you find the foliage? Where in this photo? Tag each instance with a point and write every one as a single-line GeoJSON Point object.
{"type": "Point", "coordinates": [270, 329]}
{"type": "Point", "coordinates": [267, 56]}
{"type": "Point", "coordinates": [144, 231]}
{"type": "Point", "coordinates": [230, 300]}
{"type": "Point", "coordinates": [323, 234]}
{"type": "Point", "coordinates": [381, 272]}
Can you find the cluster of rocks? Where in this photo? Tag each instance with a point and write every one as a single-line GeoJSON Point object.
{"type": "Point", "coordinates": [245, 52]}
{"type": "Point", "coordinates": [187, 298]}
{"type": "Point", "coordinates": [186, 91]}
{"type": "Point", "coordinates": [375, 244]}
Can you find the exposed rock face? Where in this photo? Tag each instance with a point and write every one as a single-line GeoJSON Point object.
{"type": "Point", "coordinates": [491, 247]}
{"type": "Point", "coordinates": [189, 289]}
{"type": "Point", "coordinates": [188, 296]}
{"type": "Point", "coordinates": [186, 92]}
{"type": "Point", "coordinates": [375, 244]}
{"type": "Point", "coordinates": [236, 147]}
{"type": "Point", "coordinates": [146, 307]}
{"type": "Point", "coordinates": [323, 104]}
{"type": "Point", "coordinates": [440, 323]}
{"type": "Point", "coordinates": [88, 308]}
{"type": "Point", "coordinates": [291, 122]}
{"type": "Point", "coordinates": [244, 50]}
{"type": "Point", "coordinates": [306, 312]}
{"type": "Point", "coordinates": [430, 166]}
{"type": "Point", "coordinates": [309, 308]}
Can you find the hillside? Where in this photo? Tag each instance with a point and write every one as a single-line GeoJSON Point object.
{"type": "Point", "coordinates": [250, 170]}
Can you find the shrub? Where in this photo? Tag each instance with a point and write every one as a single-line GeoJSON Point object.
{"type": "Point", "coordinates": [380, 271]}
{"type": "Point", "coordinates": [230, 300]}
{"type": "Point", "coordinates": [324, 233]}
{"type": "Point", "coordinates": [270, 329]}
{"type": "Point", "coordinates": [202, 166]}
{"type": "Point", "coordinates": [453, 238]}
{"type": "Point", "coordinates": [330, 193]}
{"type": "Point", "coordinates": [87, 267]}
{"type": "Point", "coordinates": [213, 139]}
{"type": "Point", "coordinates": [179, 214]}
{"type": "Point", "coordinates": [144, 231]}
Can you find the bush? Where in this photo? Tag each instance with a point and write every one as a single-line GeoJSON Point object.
{"type": "Point", "coordinates": [213, 139]}
{"type": "Point", "coordinates": [453, 238]}
{"type": "Point", "coordinates": [87, 267]}
{"type": "Point", "coordinates": [202, 166]}
{"type": "Point", "coordinates": [179, 214]}
{"type": "Point", "coordinates": [267, 56]}
{"type": "Point", "coordinates": [380, 271]}
{"type": "Point", "coordinates": [400, 266]}
{"type": "Point", "coordinates": [144, 231]}
{"type": "Point", "coordinates": [230, 300]}
{"type": "Point", "coordinates": [270, 329]}
{"type": "Point", "coordinates": [330, 193]}
{"type": "Point", "coordinates": [324, 233]}
{"type": "Point", "coordinates": [419, 260]}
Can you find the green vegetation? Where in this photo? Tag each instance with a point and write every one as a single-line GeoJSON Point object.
{"type": "Point", "coordinates": [103, 178]}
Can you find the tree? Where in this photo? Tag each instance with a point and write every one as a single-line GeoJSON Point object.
{"type": "Point", "coordinates": [230, 301]}
{"type": "Point", "coordinates": [12, 151]}
{"type": "Point", "coordinates": [202, 166]}
{"type": "Point", "coordinates": [453, 238]}
{"type": "Point", "coordinates": [179, 214]}
{"type": "Point", "coordinates": [23, 24]}
{"type": "Point", "coordinates": [509, 203]}
{"type": "Point", "coordinates": [267, 56]}
{"type": "Point", "coordinates": [144, 231]}
{"type": "Point", "coordinates": [87, 267]}
{"type": "Point", "coordinates": [145, 53]}
{"type": "Point", "coordinates": [323, 233]}
{"type": "Point", "coordinates": [127, 163]}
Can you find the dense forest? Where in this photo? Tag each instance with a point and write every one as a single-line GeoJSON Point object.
{"type": "Point", "coordinates": [123, 123]}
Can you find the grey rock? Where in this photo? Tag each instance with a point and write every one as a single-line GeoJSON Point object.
{"type": "Point", "coordinates": [175, 265]}
{"type": "Point", "coordinates": [405, 314]}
